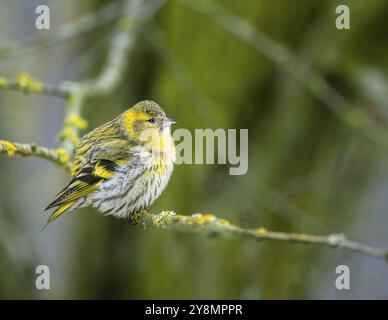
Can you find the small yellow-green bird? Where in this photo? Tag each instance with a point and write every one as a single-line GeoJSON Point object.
{"type": "Point", "coordinates": [122, 166]}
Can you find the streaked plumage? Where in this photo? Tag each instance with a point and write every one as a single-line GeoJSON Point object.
{"type": "Point", "coordinates": [122, 166]}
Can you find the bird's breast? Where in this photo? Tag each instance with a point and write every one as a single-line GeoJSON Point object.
{"type": "Point", "coordinates": [137, 185]}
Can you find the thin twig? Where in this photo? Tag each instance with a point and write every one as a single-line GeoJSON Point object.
{"type": "Point", "coordinates": [65, 32]}
{"type": "Point", "coordinates": [24, 83]}
{"type": "Point", "coordinates": [58, 156]}
{"type": "Point", "coordinates": [209, 224]}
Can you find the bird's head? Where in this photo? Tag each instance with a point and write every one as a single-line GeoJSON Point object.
{"type": "Point", "coordinates": [146, 122]}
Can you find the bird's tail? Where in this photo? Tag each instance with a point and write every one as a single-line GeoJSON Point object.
{"type": "Point", "coordinates": [60, 210]}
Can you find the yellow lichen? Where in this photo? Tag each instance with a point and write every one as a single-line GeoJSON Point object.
{"type": "Point", "coordinates": [136, 217]}
{"type": "Point", "coordinates": [261, 231]}
{"type": "Point", "coordinates": [303, 236]}
{"type": "Point", "coordinates": [9, 147]}
{"type": "Point", "coordinates": [63, 155]}
{"type": "Point", "coordinates": [76, 121]}
{"type": "Point", "coordinates": [27, 83]}
{"type": "Point", "coordinates": [68, 133]}
{"type": "Point", "coordinates": [162, 219]}
{"type": "Point", "coordinates": [3, 82]}
{"type": "Point", "coordinates": [155, 221]}
{"type": "Point", "coordinates": [203, 218]}
{"type": "Point", "coordinates": [224, 222]}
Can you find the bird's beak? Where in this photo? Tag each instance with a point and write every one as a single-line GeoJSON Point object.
{"type": "Point", "coordinates": [168, 122]}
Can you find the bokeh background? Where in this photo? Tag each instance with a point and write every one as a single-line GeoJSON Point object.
{"type": "Point", "coordinates": [317, 150]}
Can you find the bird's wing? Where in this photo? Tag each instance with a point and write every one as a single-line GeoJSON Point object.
{"type": "Point", "coordinates": [86, 181]}
{"type": "Point", "coordinates": [104, 142]}
{"type": "Point", "coordinates": [91, 167]}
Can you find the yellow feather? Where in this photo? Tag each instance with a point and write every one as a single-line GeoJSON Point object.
{"type": "Point", "coordinates": [129, 118]}
{"type": "Point", "coordinates": [83, 191]}
{"type": "Point", "coordinates": [103, 173]}
{"type": "Point", "coordinates": [62, 209]}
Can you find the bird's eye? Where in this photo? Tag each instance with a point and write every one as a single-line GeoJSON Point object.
{"type": "Point", "coordinates": [152, 120]}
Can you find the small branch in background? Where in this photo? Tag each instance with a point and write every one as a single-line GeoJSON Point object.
{"type": "Point", "coordinates": [58, 156]}
{"type": "Point", "coordinates": [316, 83]}
{"type": "Point", "coordinates": [24, 83]}
{"type": "Point", "coordinates": [373, 83]}
{"type": "Point", "coordinates": [136, 13]}
{"type": "Point", "coordinates": [64, 32]}
{"type": "Point", "coordinates": [211, 225]}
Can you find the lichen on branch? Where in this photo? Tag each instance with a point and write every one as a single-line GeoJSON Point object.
{"type": "Point", "coordinates": [26, 84]}
{"type": "Point", "coordinates": [210, 224]}
{"type": "Point", "coordinates": [58, 156]}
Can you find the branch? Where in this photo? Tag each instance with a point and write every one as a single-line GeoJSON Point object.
{"type": "Point", "coordinates": [136, 13]}
{"type": "Point", "coordinates": [58, 156]}
{"type": "Point", "coordinates": [24, 83]}
{"type": "Point", "coordinates": [64, 32]}
{"type": "Point", "coordinates": [211, 225]}
{"type": "Point", "coordinates": [201, 223]}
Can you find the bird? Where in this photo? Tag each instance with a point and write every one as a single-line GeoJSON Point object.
{"type": "Point", "coordinates": [122, 166]}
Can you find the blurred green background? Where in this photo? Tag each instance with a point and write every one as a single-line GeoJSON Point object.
{"type": "Point", "coordinates": [317, 154]}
